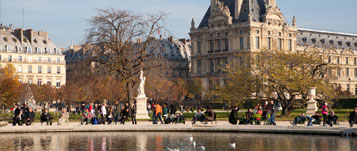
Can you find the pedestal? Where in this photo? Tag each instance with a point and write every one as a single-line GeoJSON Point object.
{"type": "Point", "coordinates": [141, 108]}
{"type": "Point", "coordinates": [311, 107]}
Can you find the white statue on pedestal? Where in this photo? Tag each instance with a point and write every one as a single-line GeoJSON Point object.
{"type": "Point", "coordinates": [141, 89]}
{"type": "Point", "coordinates": [141, 100]}
{"type": "Point", "coordinates": [311, 104]}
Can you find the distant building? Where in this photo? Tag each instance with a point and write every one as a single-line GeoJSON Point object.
{"type": "Point", "coordinates": [175, 53]}
{"type": "Point", "coordinates": [230, 27]}
{"type": "Point", "coordinates": [36, 58]}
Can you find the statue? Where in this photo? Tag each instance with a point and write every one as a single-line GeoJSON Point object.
{"type": "Point", "coordinates": [141, 89]}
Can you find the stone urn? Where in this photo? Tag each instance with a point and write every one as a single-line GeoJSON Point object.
{"type": "Point", "coordinates": [311, 104]}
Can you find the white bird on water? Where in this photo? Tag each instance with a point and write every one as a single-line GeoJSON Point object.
{"type": "Point", "coordinates": [191, 139]}
{"type": "Point", "coordinates": [175, 149]}
{"type": "Point", "coordinates": [194, 144]}
{"type": "Point", "coordinates": [203, 148]}
{"type": "Point", "coordinates": [233, 145]}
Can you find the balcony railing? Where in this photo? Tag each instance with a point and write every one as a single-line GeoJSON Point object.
{"type": "Point", "coordinates": [33, 61]}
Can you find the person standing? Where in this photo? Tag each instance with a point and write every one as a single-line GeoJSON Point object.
{"type": "Point", "coordinates": [117, 112]}
{"type": "Point", "coordinates": [324, 112]}
{"type": "Point", "coordinates": [234, 116]}
{"type": "Point", "coordinates": [103, 111]}
{"type": "Point", "coordinates": [272, 113]}
{"type": "Point", "coordinates": [165, 111]}
{"type": "Point", "coordinates": [133, 114]}
{"type": "Point", "coordinates": [353, 117]}
{"type": "Point", "coordinates": [124, 114]}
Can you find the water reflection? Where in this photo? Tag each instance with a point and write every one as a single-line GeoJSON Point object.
{"type": "Point", "coordinates": [162, 141]}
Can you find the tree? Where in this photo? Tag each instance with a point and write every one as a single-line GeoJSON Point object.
{"type": "Point", "coordinates": [115, 33]}
{"type": "Point", "coordinates": [9, 86]}
{"type": "Point", "coordinates": [194, 88]}
{"type": "Point", "coordinates": [282, 76]}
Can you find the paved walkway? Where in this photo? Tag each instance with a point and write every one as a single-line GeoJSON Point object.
{"type": "Point", "coordinates": [221, 126]}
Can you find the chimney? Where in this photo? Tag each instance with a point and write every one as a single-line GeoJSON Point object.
{"type": "Point", "coordinates": [171, 39]}
{"type": "Point", "coordinates": [139, 40]}
{"type": "Point", "coordinates": [19, 33]}
{"type": "Point", "coordinates": [238, 8]}
{"type": "Point", "coordinates": [160, 37]}
{"type": "Point", "coordinates": [29, 34]}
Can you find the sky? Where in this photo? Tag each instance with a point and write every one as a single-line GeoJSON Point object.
{"type": "Point", "coordinates": [67, 20]}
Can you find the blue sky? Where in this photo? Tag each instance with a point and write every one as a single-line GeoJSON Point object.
{"type": "Point", "coordinates": [66, 20]}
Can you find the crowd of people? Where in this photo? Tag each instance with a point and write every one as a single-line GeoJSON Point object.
{"type": "Point", "coordinates": [260, 113]}
{"type": "Point", "coordinates": [94, 114]}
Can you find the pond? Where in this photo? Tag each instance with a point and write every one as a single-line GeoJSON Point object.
{"type": "Point", "coordinates": [140, 141]}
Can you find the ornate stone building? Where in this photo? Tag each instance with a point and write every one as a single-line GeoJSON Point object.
{"type": "Point", "coordinates": [235, 26]}
{"type": "Point", "coordinates": [36, 58]}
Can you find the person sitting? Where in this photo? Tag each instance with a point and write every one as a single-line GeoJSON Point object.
{"type": "Point", "coordinates": [46, 117]}
{"type": "Point", "coordinates": [110, 116]}
{"type": "Point", "coordinates": [353, 117]}
{"type": "Point", "coordinates": [124, 114]}
{"type": "Point", "coordinates": [179, 118]}
{"type": "Point", "coordinates": [332, 119]}
{"type": "Point", "coordinates": [64, 118]}
{"type": "Point", "coordinates": [249, 117]}
{"type": "Point", "coordinates": [316, 119]}
{"type": "Point", "coordinates": [211, 115]}
{"type": "Point", "coordinates": [29, 117]}
{"type": "Point", "coordinates": [85, 117]}
{"type": "Point", "coordinates": [199, 116]}
{"type": "Point", "coordinates": [299, 119]}
{"type": "Point", "coordinates": [233, 117]}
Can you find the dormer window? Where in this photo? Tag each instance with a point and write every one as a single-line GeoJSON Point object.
{"type": "Point", "coordinates": [322, 41]}
{"type": "Point", "coordinates": [44, 41]}
{"type": "Point", "coordinates": [35, 41]}
{"type": "Point", "coordinates": [290, 35]}
{"type": "Point", "coordinates": [331, 42]}
{"type": "Point", "coordinates": [25, 40]}
{"type": "Point", "coordinates": [355, 44]}
{"type": "Point", "coordinates": [348, 44]}
{"type": "Point", "coordinates": [269, 32]}
{"type": "Point", "coordinates": [14, 39]}
{"type": "Point", "coordinates": [5, 39]}
{"type": "Point", "coordinates": [304, 39]}
{"type": "Point", "coordinates": [339, 43]}
{"type": "Point", "coordinates": [313, 40]}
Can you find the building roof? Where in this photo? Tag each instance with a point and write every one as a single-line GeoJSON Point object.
{"type": "Point", "coordinates": [326, 39]}
{"type": "Point", "coordinates": [257, 8]}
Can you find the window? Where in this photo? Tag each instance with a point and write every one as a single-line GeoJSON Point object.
{"type": "Point", "coordinates": [198, 47]}
{"type": "Point", "coordinates": [355, 89]}
{"type": "Point", "coordinates": [241, 32]}
{"type": "Point", "coordinates": [29, 81]}
{"type": "Point", "coordinates": [338, 72]}
{"type": "Point", "coordinates": [10, 58]}
{"type": "Point", "coordinates": [28, 49]}
{"type": "Point", "coordinates": [241, 42]}
{"type": "Point", "coordinates": [58, 60]}
{"type": "Point", "coordinates": [49, 51]}
{"type": "Point", "coordinates": [219, 65]}
{"type": "Point", "coordinates": [58, 70]}
{"type": "Point", "coordinates": [39, 59]}
{"type": "Point", "coordinates": [269, 43]}
{"type": "Point", "coordinates": [322, 41]}
{"type": "Point", "coordinates": [39, 69]}
{"type": "Point", "coordinates": [20, 80]}
{"type": "Point", "coordinates": [219, 45]}
{"type": "Point", "coordinates": [257, 32]}
{"type": "Point", "coordinates": [348, 87]}
{"type": "Point", "coordinates": [39, 82]}
{"type": "Point", "coordinates": [58, 83]}
{"type": "Point", "coordinates": [199, 62]}
{"type": "Point", "coordinates": [20, 58]}
{"type": "Point", "coordinates": [211, 65]}
{"type": "Point", "coordinates": [226, 45]}
{"type": "Point", "coordinates": [339, 43]}
{"type": "Point", "coordinates": [331, 42]}
{"type": "Point", "coordinates": [49, 69]}
{"type": "Point", "coordinates": [338, 60]}
{"type": "Point", "coordinates": [304, 40]}
{"type": "Point", "coordinates": [211, 46]}
{"type": "Point", "coordinates": [269, 32]}
{"type": "Point", "coordinates": [8, 48]}
{"type": "Point", "coordinates": [348, 44]}
{"type": "Point", "coordinates": [19, 68]}
{"type": "Point", "coordinates": [49, 59]}
{"type": "Point", "coordinates": [38, 50]}
{"type": "Point", "coordinates": [279, 33]}
{"type": "Point", "coordinates": [29, 59]}
{"type": "Point", "coordinates": [49, 82]}
{"type": "Point", "coordinates": [29, 69]}
{"type": "Point", "coordinates": [313, 40]}
{"type": "Point", "coordinates": [346, 60]}
{"type": "Point", "coordinates": [347, 72]}
{"type": "Point", "coordinates": [280, 44]}
{"type": "Point", "coordinates": [329, 59]}
{"type": "Point", "coordinates": [290, 45]}
{"type": "Point", "coordinates": [257, 43]}
{"type": "Point", "coordinates": [355, 72]}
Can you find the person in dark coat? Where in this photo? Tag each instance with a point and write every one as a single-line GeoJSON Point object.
{"type": "Point", "coordinates": [124, 114]}
{"type": "Point", "coordinates": [133, 114]}
{"type": "Point", "coordinates": [29, 117]}
{"type": "Point", "coordinates": [353, 117]}
{"type": "Point", "coordinates": [16, 115]}
{"type": "Point", "coordinates": [234, 116]}
{"type": "Point", "coordinates": [46, 117]}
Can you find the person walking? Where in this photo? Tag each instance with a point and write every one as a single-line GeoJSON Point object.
{"type": "Point", "coordinates": [133, 114]}
{"type": "Point", "coordinates": [158, 110]}
{"type": "Point", "coordinates": [103, 111]}
{"type": "Point", "coordinates": [272, 113]}
{"type": "Point", "coordinates": [324, 112]}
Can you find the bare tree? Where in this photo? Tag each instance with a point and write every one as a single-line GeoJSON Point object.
{"type": "Point", "coordinates": [122, 39]}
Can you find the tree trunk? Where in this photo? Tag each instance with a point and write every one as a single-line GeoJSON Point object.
{"type": "Point", "coordinates": [3, 109]}
{"type": "Point", "coordinates": [129, 88]}
{"type": "Point", "coordinates": [286, 110]}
